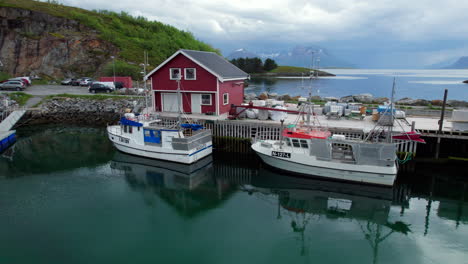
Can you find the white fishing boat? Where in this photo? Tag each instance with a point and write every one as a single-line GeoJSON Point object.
{"type": "Point", "coordinates": [310, 149]}
{"type": "Point", "coordinates": [147, 136]}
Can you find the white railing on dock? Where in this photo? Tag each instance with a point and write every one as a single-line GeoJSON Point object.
{"type": "Point", "coordinates": [257, 131]}
{"type": "Point", "coordinates": [10, 117]}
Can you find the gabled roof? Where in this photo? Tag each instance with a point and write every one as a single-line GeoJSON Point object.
{"type": "Point", "coordinates": [211, 62]}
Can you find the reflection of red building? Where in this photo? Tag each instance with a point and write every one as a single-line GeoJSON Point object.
{"type": "Point", "coordinates": [209, 83]}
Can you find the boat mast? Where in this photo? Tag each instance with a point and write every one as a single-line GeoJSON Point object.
{"type": "Point", "coordinates": [310, 90]}
{"type": "Point", "coordinates": [145, 61]}
{"type": "Point", "coordinates": [179, 117]}
{"type": "Point", "coordinates": [392, 118]}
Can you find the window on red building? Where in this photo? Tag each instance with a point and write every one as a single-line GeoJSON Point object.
{"type": "Point", "coordinates": [226, 98]}
{"type": "Point", "coordinates": [190, 74]}
{"type": "Point", "coordinates": [175, 73]}
{"type": "Point", "coordinates": [206, 99]}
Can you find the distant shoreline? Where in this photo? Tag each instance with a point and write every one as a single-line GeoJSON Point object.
{"type": "Point", "coordinates": [292, 74]}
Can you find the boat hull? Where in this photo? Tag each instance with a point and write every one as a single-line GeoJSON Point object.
{"type": "Point", "coordinates": [7, 139]}
{"type": "Point", "coordinates": [303, 165]}
{"type": "Point", "coordinates": [186, 157]}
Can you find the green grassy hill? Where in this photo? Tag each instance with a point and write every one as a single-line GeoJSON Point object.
{"type": "Point", "coordinates": [132, 35]}
{"type": "Point", "coordinates": [290, 69]}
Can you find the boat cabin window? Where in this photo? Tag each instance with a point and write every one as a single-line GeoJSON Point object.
{"type": "Point", "coordinates": [288, 142]}
{"type": "Point", "coordinates": [295, 143]}
{"type": "Point", "coordinates": [304, 143]}
{"type": "Point", "coordinates": [125, 129]}
{"type": "Point", "coordinates": [130, 129]}
{"type": "Point", "coordinates": [152, 136]}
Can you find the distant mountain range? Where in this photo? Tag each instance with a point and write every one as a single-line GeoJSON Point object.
{"type": "Point", "coordinates": [299, 56]}
{"type": "Point", "coordinates": [461, 63]}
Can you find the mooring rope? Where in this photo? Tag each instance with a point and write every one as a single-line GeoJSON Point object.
{"type": "Point", "coordinates": [408, 157]}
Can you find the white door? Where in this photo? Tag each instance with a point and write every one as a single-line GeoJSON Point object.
{"type": "Point", "coordinates": [196, 103]}
{"type": "Point", "coordinates": [169, 101]}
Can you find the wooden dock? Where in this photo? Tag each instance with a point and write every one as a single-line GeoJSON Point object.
{"type": "Point", "coordinates": [242, 132]}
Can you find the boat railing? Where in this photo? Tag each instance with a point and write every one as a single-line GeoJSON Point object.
{"type": "Point", "coordinates": [116, 130]}
{"type": "Point", "coordinates": [266, 135]}
{"type": "Point", "coordinates": [147, 117]}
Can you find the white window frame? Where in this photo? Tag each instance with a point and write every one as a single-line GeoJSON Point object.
{"type": "Point", "coordinates": [225, 99]}
{"type": "Point", "coordinates": [170, 73]}
{"type": "Point", "coordinates": [194, 74]}
{"type": "Point", "coordinates": [211, 99]}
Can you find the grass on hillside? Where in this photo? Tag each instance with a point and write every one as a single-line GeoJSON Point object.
{"type": "Point", "coordinates": [290, 69]}
{"type": "Point", "coordinates": [20, 97]}
{"type": "Point", "coordinates": [132, 35]}
{"type": "Point", "coordinates": [4, 76]}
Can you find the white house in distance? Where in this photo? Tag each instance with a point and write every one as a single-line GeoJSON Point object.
{"type": "Point", "coordinates": [209, 84]}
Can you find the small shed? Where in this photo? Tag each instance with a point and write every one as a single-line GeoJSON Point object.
{"type": "Point", "coordinates": [125, 80]}
{"type": "Point", "coordinates": [209, 83]}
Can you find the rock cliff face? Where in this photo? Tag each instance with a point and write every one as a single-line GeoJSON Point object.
{"type": "Point", "coordinates": [35, 43]}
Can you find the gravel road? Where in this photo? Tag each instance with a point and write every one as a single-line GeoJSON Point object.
{"type": "Point", "coordinates": [44, 90]}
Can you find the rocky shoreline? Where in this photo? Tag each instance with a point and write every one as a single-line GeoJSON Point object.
{"type": "Point", "coordinates": [79, 111]}
{"type": "Point", "coordinates": [358, 98]}
{"type": "Point", "coordinates": [100, 112]}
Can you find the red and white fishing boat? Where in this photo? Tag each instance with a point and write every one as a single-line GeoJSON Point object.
{"type": "Point", "coordinates": [313, 150]}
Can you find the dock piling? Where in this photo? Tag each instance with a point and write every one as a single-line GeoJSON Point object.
{"type": "Point", "coordinates": [441, 124]}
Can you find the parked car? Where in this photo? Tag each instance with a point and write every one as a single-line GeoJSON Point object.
{"type": "Point", "coordinates": [76, 82]}
{"type": "Point", "coordinates": [67, 81]}
{"type": "Point", "coordinates": [13, 85]}
{"type": "Point", "coordinates": [99, 87]}
{"type": "Point", "coordinates": [119, 85]}
{"type": "Point", "coordinates": [86, 81]}
{"type": "Point", "coordinates": [24, 80]}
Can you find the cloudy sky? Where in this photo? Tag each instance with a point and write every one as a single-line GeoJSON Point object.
{"type": "Point", "coordinates": [368, 33]}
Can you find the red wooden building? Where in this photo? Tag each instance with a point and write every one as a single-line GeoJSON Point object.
{"type": "Point", "coordinates": [209, 83]}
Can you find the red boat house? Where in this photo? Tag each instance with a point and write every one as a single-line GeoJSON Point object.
{"type": "Point", "coordinates": [208, 84]}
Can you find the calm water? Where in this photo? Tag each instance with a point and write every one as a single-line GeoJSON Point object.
{"type": "Point", "coordinates": [68, 197]}
{"type": "Point", "coordinates": [423, 84]}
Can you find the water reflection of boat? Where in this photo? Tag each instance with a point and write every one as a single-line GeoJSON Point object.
{"type": "Point", "coordinates": [334, 199]}
{"type": "Point", "coordinates": [160, 172]}
{"type": "Point", "coordinates": [305, 200]}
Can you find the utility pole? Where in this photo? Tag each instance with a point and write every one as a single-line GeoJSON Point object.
{"type": "Point", "coordinates": [113, 66]}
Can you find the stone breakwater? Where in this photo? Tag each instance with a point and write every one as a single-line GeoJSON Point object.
{"type": "Point", "coordinates": [80, 111]}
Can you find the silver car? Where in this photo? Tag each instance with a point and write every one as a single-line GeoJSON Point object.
{"type": "Point", "coordinates": [14, 85]}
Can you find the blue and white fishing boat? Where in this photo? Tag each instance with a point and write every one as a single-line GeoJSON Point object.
{"type": "Point", "coordinates": [147, 136]}
{"type": "Point", "coordinates": [7, 138]}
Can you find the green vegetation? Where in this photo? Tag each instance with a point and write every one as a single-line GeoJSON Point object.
{"type": "Point", "coordinates": [132, 35]}
{"type": "Point", "coordinates": [40, 82]}
{"type": "Point", "coordinates": [290, 69]}
{"type": "Point", "coordinates": [4, 76]}
{"type": "Point", "coordinates": [19, 97]}
{"type": "Point", "coordinates": [90, 97]}
{"type": "Point", "coordinates": [123, 69]}
{"type": "Point", "coordinates": [254, 65]}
